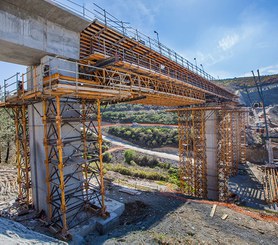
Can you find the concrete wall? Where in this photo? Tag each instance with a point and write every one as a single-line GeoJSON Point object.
{"type": "Point", "coordinates": [32, 29]}
{"type": "Point", "coordinates": [211, 151]}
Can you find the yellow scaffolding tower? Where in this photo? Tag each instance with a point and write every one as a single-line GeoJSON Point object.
{"type": "Point", "coordinates": [20, 116]}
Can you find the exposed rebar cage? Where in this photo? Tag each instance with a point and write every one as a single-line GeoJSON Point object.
{"type": "Point", "coordinates": [231, 144]}
{"type": "Point", "coordinates": [74, 169]}
{"type": "Point", "coordinates": [20, 115]}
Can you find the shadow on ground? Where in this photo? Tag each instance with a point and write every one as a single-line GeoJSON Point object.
{"type": "Point", "coordinates": [142, 212]}
{"type": "Point", "coordinates": [248, 188]}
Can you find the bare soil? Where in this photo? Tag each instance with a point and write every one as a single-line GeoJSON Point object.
{"type": "Point", "coordinates": [161, 216]}
{"type": "Point", "coordinates": [165, 217]}
{"type": "Point", "coordinates": [8, 185]}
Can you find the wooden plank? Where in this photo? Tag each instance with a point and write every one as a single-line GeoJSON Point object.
{"type": "Point", "coordinates": [213, 210]}
{"type": "Point", "coordinates": [224, 216]}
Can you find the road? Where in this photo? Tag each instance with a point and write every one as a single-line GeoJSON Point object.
{"type": "Point", "coordinates": [119, 142]}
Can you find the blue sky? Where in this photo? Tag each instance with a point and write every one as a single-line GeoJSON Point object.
{"type": "Point", "coordinates": [229, 37]}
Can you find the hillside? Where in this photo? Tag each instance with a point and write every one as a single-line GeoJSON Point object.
{"type": "Point", "coordinates": [241, 82]}
{"type": "Point", "coordinates": [269, 86]}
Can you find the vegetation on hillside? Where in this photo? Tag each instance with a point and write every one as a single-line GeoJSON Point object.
{"type": "Point", "coordinates": [145, 167]}
{"type": "Point", "coordinates": [160, 117]}
{"type": "Point", "coordinates": [131, 107]}
{"type": "Point", "coordinates": [147, 136]}
{"type": "Point", "coordinates": [7, 133]}
{"type": "Point", "coordinates": [129, 113]}
{"type": "Point", "coordinates": [241, 82]}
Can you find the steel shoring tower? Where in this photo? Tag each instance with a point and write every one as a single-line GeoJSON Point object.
{"type": "Point", "coordinates": [71, 137]}
{"type": "Point", "coordinates": [243, 122]}
{"type": "Point", "coordinates": [193, 167]}
{"type": "Point", "coordinates": [192, 148]}
{"type": "Point", "coordinates": [223, 154]}
{"type": "Point", "coordinates": [185, 153]}
{"type": "Point", "coordinates": [231, 147]}
{"type": "Point", "coordinates": [20, 115]}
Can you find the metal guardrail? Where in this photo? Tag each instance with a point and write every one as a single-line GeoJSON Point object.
{"type": "Point", "coordinates": [124, 28]}
{"type": "Point", "coordinates": [75, 74]}
{"type": "Point", "coordinates": [40, 78]}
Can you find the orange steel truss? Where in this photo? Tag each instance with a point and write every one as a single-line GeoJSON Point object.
{"type": "Point", "coordinates": [20, 115]}
{"type": "Point", "coordinates": [98, 41]}
{"type": "Point", "coordinates": [72, 139]}
{"type": "Point", "coordinates": [192, 150]}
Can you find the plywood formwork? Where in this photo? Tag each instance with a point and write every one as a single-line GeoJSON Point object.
{"type": "Point", "coordinates": [270, 181]}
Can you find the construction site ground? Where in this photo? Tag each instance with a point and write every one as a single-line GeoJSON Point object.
{"type": "Point", "coordinates": [165, 217]}
{"type": "Point", "coordinates": [156, 215]}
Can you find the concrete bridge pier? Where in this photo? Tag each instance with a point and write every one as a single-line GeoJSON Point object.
{"type": "Point", "coordinates": [211, 154]}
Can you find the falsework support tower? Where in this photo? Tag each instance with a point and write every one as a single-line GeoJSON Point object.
{"type": "Point", "coordinates": [211, 145]}
{"type": "Point", "coordinates": [67, 168]}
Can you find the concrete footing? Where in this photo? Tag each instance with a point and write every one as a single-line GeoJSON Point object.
{"type": "Point", "coordinates": [101, 225]}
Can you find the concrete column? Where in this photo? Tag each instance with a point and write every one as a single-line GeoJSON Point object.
{"type": "Point", "coordinates": [37, 156]}
{"type": "Point", "coordinates": [211, 152]}
{"type": "Point", "coordinates": [71, 138]}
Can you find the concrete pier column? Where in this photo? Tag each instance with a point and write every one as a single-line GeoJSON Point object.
{"type": "Point", "coordinates": [37, 156]}
{"type": "Point", "coordinates": [211, 152]}
{"type": "Point", "coordinates": [71, 143]}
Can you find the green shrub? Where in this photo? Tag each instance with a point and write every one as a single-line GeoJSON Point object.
{"type": "Point", "coordinates": [107, 157]}
{"type": "Point", "coordinates": [147, 136]}
{"type": "Point", "coordinates": [136, 172]}
{"type": "Point", "coordinates": [129, 155]}
{"type": "Point", "coordinates": [133, 163]}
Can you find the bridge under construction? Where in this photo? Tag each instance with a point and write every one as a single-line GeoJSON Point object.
{"type": "Point", "coordinates": [56, 106]}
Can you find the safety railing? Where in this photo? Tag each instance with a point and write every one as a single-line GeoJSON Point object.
{"type": "Point", "coordinates": [10, 85]}
{"type": "Point", "coordinates": [124, 28]}
{"type": "Point", "coordinates": [108, 48]}
{"type": "Point", "coordinates": [42, 77]}
{"type": "Point", "coordinates": [47, 76]}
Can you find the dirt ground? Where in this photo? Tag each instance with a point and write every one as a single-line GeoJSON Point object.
{"type": "Point", "coordinates": [8, 185]}
{"type": "Point", "coordinates": [160, 216]}
{"type": "Point", "coordinates": [164, 217]}
{"type": "Point", "coordinates": [167, 218]}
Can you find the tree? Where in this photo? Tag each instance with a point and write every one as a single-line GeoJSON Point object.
{"type": "Point", "coordinates": [107, 157]}
{"type": "Point", "coordinates": [129, 155]}
{"type": "Point", "coordinates": [7, 132]}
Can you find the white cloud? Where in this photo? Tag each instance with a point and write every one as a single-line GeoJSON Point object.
{"type": "Point", "coordinates": [268, 70]}
{"type": "Point", "coordinates": [265, 70]}
{"type": "Point", "coordinates": [228, 42]}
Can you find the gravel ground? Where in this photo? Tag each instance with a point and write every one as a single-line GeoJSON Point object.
{"type": "Point", "coordinates": [155, 217]}
{"type": "Point", "coordinates": [166, 218]}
